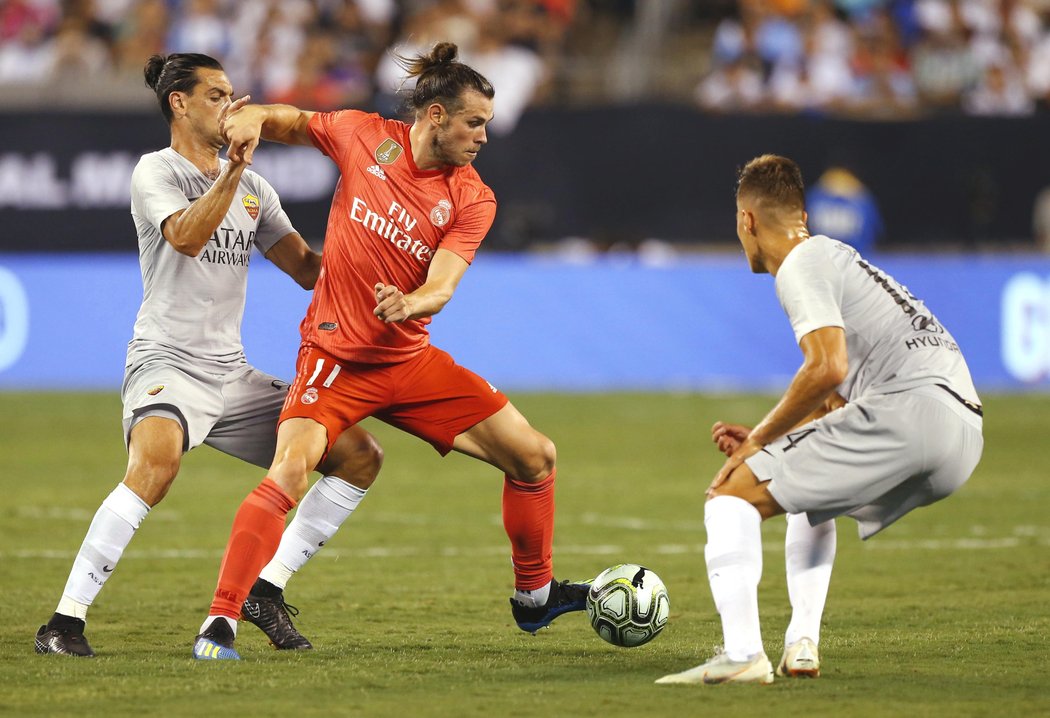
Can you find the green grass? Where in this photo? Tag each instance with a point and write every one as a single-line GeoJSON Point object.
{"type": "Point", "coordinates": [942, 615]}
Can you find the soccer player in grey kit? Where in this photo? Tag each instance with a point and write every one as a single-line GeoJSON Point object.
{"type": "Point", "coordinates": [881, 418]}
{"type": "Point", "coordinates": [187, 380]}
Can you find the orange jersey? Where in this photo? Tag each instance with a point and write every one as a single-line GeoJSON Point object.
{"type": "Point", "coordinates": [387, 219]}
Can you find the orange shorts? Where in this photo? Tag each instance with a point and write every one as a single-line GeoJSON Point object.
{"type": "Point", "coordinates": [429, 396]}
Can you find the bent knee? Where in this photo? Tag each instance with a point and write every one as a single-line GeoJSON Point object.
{"type": "Point", "coordinates": [538, 462]}
{"type": "Point", "coordinates": [355, 459]}
{"type": "Point", "coordinates": [150, 477]}
{"type": "Point", "coordinates": [292, 474]}
{"type": "Point", "coordinates": [744, 485]}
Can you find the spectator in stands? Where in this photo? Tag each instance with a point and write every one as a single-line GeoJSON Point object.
{"type": "Point", "coordinates": [1000, 92]}
{"type": "Point", "coordinates": [733, 86]}
{"type": "Point", "coordinates": [200, 29]}
{"type": "Point", "coordinates": [883, 83]}
{"type": "Point", "coordinates": [140, 33]}
{"type": "Point", "coordinates": [76, 54]}
{"type": "Point", "coordinates": [26, 55]}
{"type": "Point", "coordinates": [944, 65]}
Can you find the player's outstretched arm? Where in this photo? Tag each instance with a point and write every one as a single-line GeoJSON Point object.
{"type": "Point", "coordinates": [244, 128]}
{"type": "Point", "coordinates": [293, 256]}
{"type": "Point", "coordinates": [446, 269]}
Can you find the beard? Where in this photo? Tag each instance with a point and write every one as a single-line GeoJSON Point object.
{"type": "Point", "coordinates": [446, 152]}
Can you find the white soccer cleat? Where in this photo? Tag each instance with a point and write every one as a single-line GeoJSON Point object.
{"type": "Point", "coordinates": [720, 669]}
{"type": "Point", "coordinates": [801, 660]}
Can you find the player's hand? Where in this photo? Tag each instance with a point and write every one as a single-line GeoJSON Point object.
{"type": "Point", "coordinates": [242, 129]}
{"type": "Point", "coordinates": [391, 304]}
{"type": "Point", "coordinates": [746, 450]}
{"type": "Point", "coordinates": [228, 109]}
{"type": "Point", "coordinates": [729, 437]}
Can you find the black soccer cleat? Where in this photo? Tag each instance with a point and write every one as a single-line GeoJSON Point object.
{"type": "Point", "coordinates": [66, 640]}
{"type": "Point", "coordinates": [274, 618]}
{"type": "Point", "coordinates": [564, 597]}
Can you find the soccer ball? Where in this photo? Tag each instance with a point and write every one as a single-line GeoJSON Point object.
{"type": "Point", "coordinates": [628, 605]}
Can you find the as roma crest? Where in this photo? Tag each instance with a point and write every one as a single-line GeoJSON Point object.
{"type": "Point", "coordinates": [388, 152]}
{"type": "Point", "coordinates": [251, 205]}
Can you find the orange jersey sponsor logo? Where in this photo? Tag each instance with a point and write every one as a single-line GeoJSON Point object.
{"type": "Point", "coordinates": [394, 227]}
{"type": "Point", "coordinates": [156, 390]}
{"type": "Point", "coordinates": [251, 205]}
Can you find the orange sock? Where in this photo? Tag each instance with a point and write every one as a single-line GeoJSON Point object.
{"type": "Point", "coordinates": [256, 533]}
{"type": "Point", "coordinates": [528, 518]}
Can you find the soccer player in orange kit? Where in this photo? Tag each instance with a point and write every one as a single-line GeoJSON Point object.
{"type": "Point", "coordinates": [408, 214]}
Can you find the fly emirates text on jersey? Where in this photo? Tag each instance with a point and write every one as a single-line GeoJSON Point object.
{"type": "Point", "coordinates": [387, 227]}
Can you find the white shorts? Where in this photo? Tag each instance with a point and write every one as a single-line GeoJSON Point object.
{"type": "Point", "coordinates": [875, 459]}
{"type": "Point", "coordinates": [235, 412]}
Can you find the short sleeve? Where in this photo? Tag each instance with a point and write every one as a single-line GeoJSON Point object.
{"type": "Point", "coordinates": [809, 286]}
{"type": "Point", "coordinates": [274, 224]}
{"type": "Point", "coordinates": [331, 131]}
{"type": "Point", "coordinates": [155, 192]}
{"type": "Point", "coordinates": [470, 227]}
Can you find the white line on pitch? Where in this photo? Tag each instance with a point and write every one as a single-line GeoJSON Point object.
{"type": "Point", "coordinates": [956, 544]}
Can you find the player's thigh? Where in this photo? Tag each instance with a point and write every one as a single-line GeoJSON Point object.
{"type": "Point", "coordinates": [154, 456]}
{"type": "Point", "coordinates": [247, 429]}
{"type": "Point", "coordinates": [438, 400]}
{"type": "Point", "coordinates": [847, 459]}
{"type": "Point", "coordinates": [954, 448]}
{"type": "Point", "coordinates": [335, 395]}
{"type": "Point", "coordinates": [951, 448]}
{"type": "Point", "coordinates": [507, 440]}
{"type": "Point", "coordinates": [189, 396]}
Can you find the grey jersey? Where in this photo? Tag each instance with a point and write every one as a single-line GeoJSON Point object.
{"type": "Point", "coordinates": [894, 342]}
{"type": "Point", "coordinates": [192, 306]}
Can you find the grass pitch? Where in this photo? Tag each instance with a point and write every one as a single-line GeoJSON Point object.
{"type": "Point", "coordinates": [942, 615]}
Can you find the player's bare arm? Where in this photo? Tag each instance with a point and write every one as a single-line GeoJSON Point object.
{"type": "Point", "coordinates": [244, 128]}
{"type": "Point", "coordinates": [188, 230]}
{"type": "Point", "coordinates": [728, 437]}
{"type": "Point", "coordinates": [446, 269]}
{"type": "Point", "coordinates": [293, 256]}
{"type": "Point", "coordinates": [824, 367]}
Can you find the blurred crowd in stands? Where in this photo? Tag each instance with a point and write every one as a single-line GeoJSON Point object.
{"type": "Point", "coordinates": [867, 58]}
{"type": "Point", "coordinates": [881, 57]}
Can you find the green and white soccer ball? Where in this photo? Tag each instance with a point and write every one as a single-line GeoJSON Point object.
{"type": "Point", "coordinates": [628, 605]}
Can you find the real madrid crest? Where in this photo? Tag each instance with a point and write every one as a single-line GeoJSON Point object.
{"type": "Point", "coordinates": [251, 205]}
{"type": "Point", "coordinates": [388, 152]}
{"type": "Point", "coordinates": [441, 214]}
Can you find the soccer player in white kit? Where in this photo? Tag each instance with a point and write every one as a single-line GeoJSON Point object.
{"type": "Point", "coordinates": [187, 381]}
{"type": "Point", "coordinates": [881, 418]}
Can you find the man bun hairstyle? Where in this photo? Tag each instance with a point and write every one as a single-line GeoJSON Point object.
{"type": "Point", "coordinates": [175, 73]}
{"type": "Point", "coordinates": [774, 181]}
{"type": "Point", "coordinates": [442, 79]}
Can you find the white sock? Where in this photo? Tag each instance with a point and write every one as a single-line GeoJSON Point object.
{"type": "Point", "coordinates": [809, 553]}
{"type": "Point", "coordinates": [110, 532]}
{"type": "Point", "coordinates": [209, 619]}
{"type": "Point", "coordinates": [535, 598]}
{"type": "Point", "coordinates": [320, 514]}
{"type": "Point", "coordinates": [734, 567]}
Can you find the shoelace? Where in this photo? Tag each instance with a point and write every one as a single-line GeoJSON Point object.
{"type": "Point", "coordinates": [292, 610]}
{"type": "Point", "coordinates": [568, 592]}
